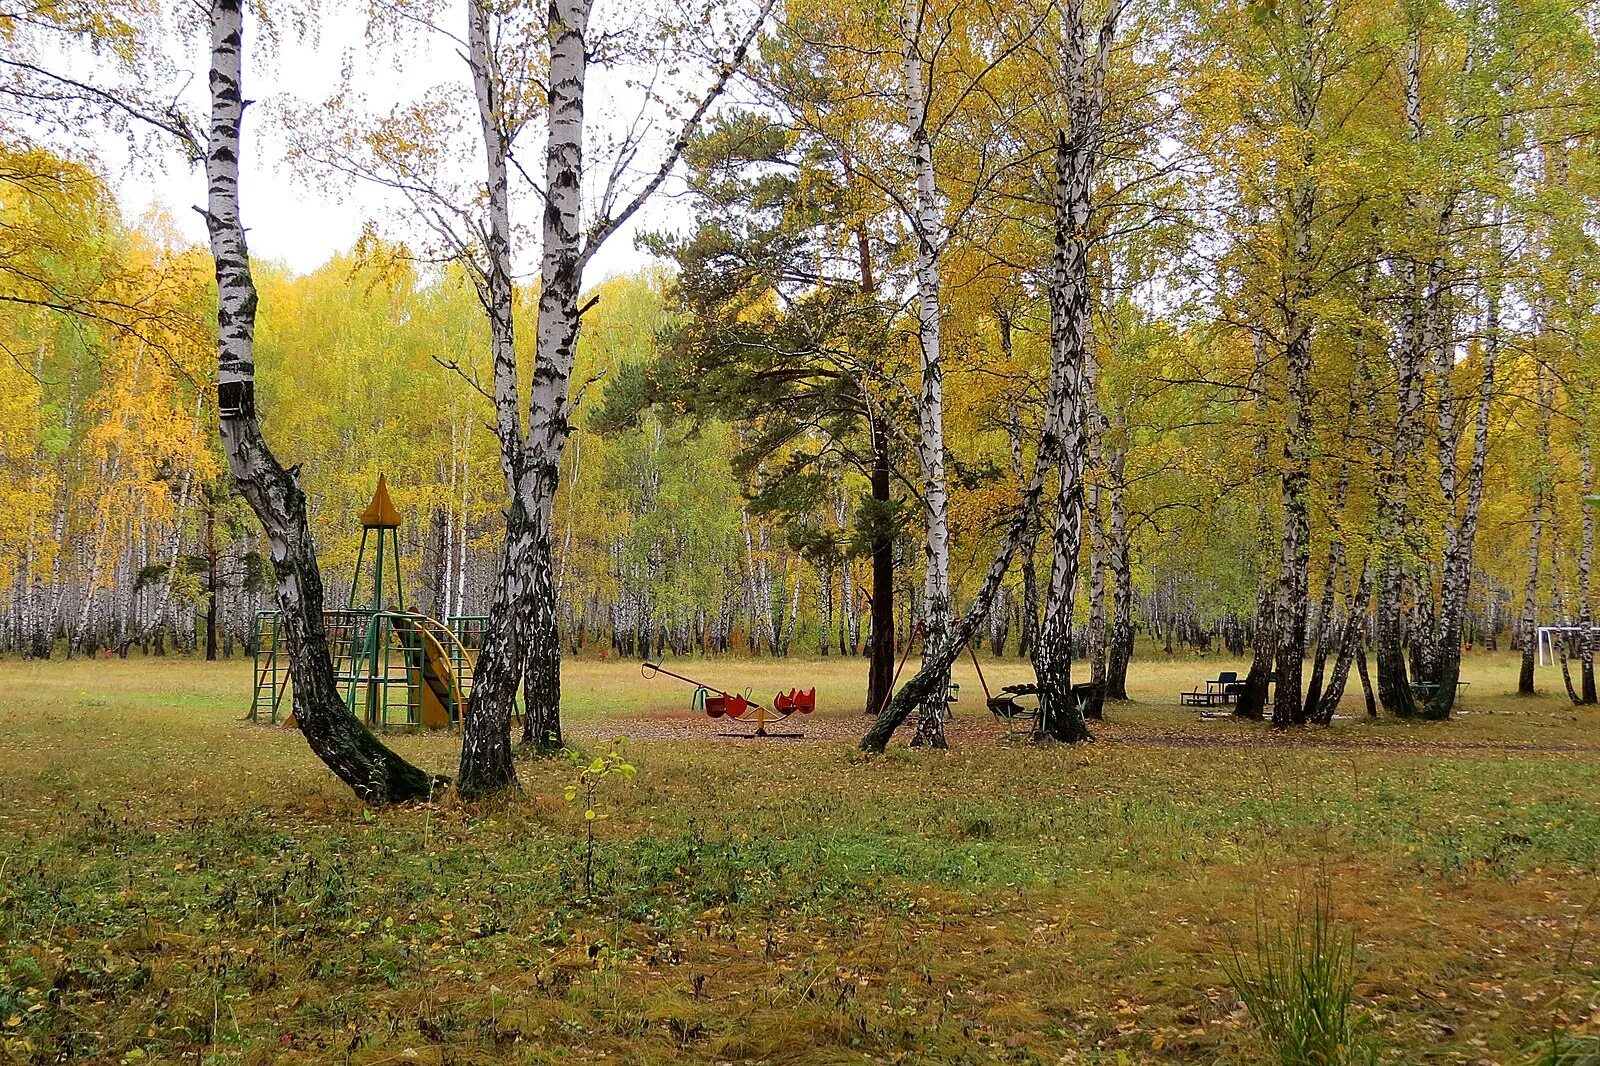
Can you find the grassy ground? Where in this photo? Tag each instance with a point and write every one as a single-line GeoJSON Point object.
{"type": "Point", "coordinates": [178, 885]}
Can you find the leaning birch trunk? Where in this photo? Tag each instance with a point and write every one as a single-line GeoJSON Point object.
{"type": "Point", "coordinates": [1328, 636]}
{"type": "Point", "coordinates": [925, 683]}
{"type": "Point", "coordinates": [375, 773]}
{"type": "Point", "coordinates": [926, 227]}
{"type": "Point", "coordinates": [915, 692]}
{"type": "Point", "coordinates": [1349, 647]}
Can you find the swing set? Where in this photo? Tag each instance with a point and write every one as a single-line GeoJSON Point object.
{"type": "Point", "coordinates": [395, 668]}
{"type": "Point", "coordinates": [1028, 718]}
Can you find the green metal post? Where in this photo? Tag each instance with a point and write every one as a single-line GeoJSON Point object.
{"type": "Point", "coordinates": [374, 705]}
{"type": "Point", "coordinates": [399, 593]}
{"type": "Point", "coordinates": [355, 579]}
{"type": "Point", "coordinates": [255, 664]}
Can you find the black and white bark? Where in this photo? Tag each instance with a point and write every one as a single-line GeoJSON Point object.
{"type": "Point", "coordinates": [1351, 640]}
{"type": "Point", "coordinates": [1078, 161]}
{"type": "Point", "coordinates": [1395, 521]}
{"type": "Point", "coordinates": [1295, 560]}
{"type": "Point", "coordinates": [524, 644]}
{"type": "Point", "coordinates": [1457, 579]}
{"type": "Point", "coordinates": [363, 762]}
{"type": "Point", "coordinates": [927, 227]}
{"type": "Point", "coordinates": [1253, 697]}
{"type": "Point", "coordinates": [1331, 637]}
{"type": "Point", "coordinates": [935, 672]}
{"type": "Point", "coordinates": [486, 763]}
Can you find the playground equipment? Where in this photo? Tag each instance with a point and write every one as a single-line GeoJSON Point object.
{"type": "Point", "coordinates": [397, 668]}
{"type": "Point", "coordinates": [718, 703]}
{"type": "Point", "coordinates": [1021, 708]}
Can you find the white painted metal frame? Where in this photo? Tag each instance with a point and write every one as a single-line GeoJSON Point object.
{"type": "Point", "coordinates": [1546, 645]}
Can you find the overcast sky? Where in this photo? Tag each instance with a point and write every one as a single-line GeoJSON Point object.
{"type": "Point", "coordinates": [302, 223]}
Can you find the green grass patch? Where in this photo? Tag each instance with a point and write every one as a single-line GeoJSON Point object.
{"type": "Point", "coordinates": [176, 884]}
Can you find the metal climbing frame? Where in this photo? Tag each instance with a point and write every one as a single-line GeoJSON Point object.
{"type": "Point", "coordinates": [382, 661]}
{"type": "Point", "coordinates": [395, 668]}
{"type": "Point", "coordinates": [271, 667]}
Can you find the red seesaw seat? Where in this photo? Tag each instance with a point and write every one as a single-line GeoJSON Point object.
{"type": "Point", "coordinates": [804, 702]}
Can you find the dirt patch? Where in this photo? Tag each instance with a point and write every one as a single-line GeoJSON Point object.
{"type": "Point", "coordinates": [974, 730]}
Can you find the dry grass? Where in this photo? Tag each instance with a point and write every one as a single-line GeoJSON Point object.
{"type": "Point", "coordinates": [178, 885]}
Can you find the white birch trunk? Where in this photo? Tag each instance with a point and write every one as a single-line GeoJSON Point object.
{"type": "Point", "coordinates": [1077, 164]}
{"type": "Point", "coordinates": [375, 773]}
{"type": "Point", "coordinates": [927, 229]}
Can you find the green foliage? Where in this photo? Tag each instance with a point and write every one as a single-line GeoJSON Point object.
{"type": "Point", "coordinates": [1296, 982]}
{"type": "Point", "coordinates": [596, 771]}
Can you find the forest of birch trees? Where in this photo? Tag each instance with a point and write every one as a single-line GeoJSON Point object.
{"type": "Point", "coordinates": [1084, 330]}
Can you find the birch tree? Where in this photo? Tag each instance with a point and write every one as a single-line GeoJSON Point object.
{"type": "Point", "coordinates": [352, 752]}
{"type": "Point", "coordinates": [927, 228]}
{"type": "Point", "coordinates": [524, 613]}
{"type": "Point", "coordinates": [529, 67]}
{"type": "Point", "coordinates": [1077, 166]}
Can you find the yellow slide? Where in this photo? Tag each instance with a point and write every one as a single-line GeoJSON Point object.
{"type": "Point", "coordinates": [440, 694]}
{"type": "Point", "coordinates": [436, 691]}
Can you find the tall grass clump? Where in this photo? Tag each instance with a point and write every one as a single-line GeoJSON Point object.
{"type": "Point", "coordinates": [1296, 982]}
{"type": "Point", "coordinates": [1564, 1050]}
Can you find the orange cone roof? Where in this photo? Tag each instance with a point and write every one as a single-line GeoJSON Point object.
{"type": "Point", "coordinates": [380, 513]}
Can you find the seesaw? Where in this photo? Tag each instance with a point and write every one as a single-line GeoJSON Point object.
{"type": "Point", "coordinates": [718, 703]}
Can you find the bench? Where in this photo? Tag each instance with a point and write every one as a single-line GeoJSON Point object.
{"type": "Point", "coordinates": [1225, 689]}
{"type": "Point", "coordinates": [1424, 690]}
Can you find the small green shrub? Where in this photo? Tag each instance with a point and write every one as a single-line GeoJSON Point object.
{"type": "Point", "coordinates": [584, 788]}
{"type": "Point", "coordinates": [1296, 983]}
